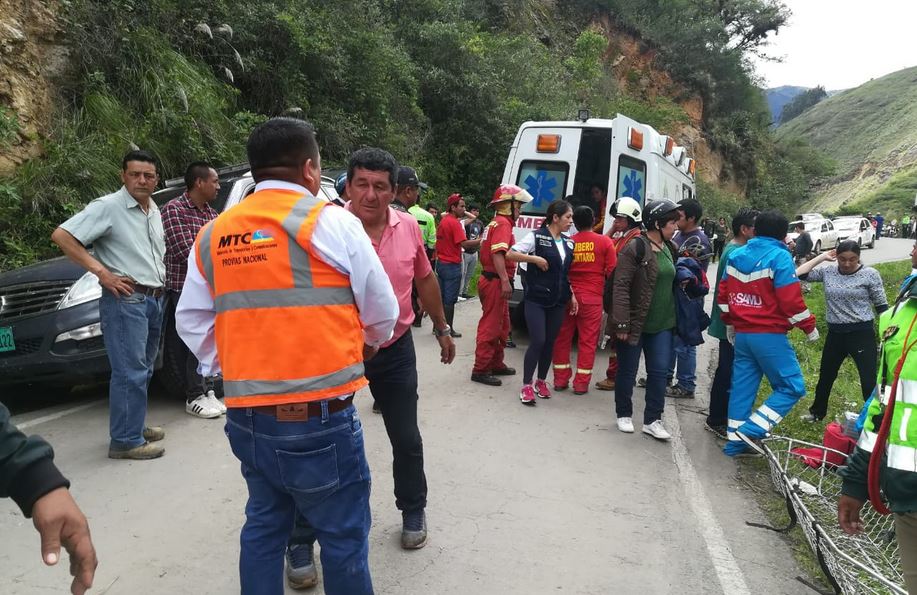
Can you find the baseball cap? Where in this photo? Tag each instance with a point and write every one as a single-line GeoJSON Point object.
{"type": "Point", "coordinates": [408, 177]}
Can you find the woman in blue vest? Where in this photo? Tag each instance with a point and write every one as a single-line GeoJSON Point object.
{"type": "Point", "coordinates": [549, 252]}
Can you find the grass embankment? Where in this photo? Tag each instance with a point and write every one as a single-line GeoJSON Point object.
{"type": "Point", "coordinates": [845, 396]}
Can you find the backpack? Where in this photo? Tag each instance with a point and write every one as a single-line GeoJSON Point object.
{"type": "Point", "coordinates": [608, 292]}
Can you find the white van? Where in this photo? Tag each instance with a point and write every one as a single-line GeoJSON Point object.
{"type": "Point", "coordinates": [553, 160]}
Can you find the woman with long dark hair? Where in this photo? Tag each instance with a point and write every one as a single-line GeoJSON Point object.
{"type": "Point", "coordinates": [549, 252]}
{"type": "Point", "coordinates": [854, 295]}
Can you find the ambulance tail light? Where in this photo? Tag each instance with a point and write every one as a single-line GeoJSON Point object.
{"type": "Point", "coordinates": [548, 143]}
{"type": "Point", "coordinates": [635, 139]}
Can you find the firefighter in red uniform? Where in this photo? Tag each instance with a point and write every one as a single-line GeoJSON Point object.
{"type": "Point", "coordinates": [495, 285]}
{"type": "Point", "coordinates": [628, 219]}
{"type": "Point", "coordinates": [594, 258]}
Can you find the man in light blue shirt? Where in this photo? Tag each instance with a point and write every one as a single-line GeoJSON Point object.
{"type": "Point", "coordinates": [126, 235]}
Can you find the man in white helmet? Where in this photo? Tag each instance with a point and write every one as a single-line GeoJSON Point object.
{"type": "Point", "coordinates": [628, 221]}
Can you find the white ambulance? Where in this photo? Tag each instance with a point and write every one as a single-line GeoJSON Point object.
{"type": "Point", "coordinates": [594, 161]}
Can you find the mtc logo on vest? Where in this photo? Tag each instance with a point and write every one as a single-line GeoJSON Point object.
{"type": "Point", "coordinates": [259, 236]}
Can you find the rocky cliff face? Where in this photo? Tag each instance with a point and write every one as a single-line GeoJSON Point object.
{"type": "Point", "coordinates": [633, 64]}
{"type": "Point", "coordinates": [31, 57]}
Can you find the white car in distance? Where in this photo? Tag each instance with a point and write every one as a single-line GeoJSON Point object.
{"type": "Point", "coordinates": [822, 232]}
{"type": "Point", "coordinates": [855, 228]}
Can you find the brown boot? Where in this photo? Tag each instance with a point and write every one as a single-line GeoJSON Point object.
{"type": "Point", "coordinates": [607, 384]}
{"type": "Point", "coordinates": [142, 452]}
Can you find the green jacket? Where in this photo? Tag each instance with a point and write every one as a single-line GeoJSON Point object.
{"type": "Point", "coordinates": [898, 474]}
{"type": "Point", "coordinates": [717, 329]}
{"type": "Point", "coordinates": [27, 470]}
{"type": "Point", "coordinates": [427, 225]}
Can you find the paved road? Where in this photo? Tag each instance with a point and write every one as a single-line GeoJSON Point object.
{"type": "Point", "coordinates": [522, 500]}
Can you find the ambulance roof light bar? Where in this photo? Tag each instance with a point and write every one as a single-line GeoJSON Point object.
{"type": "Point", "coordinates": [635, 139]}
{"type": "Point", "coordinates": [548, 143]}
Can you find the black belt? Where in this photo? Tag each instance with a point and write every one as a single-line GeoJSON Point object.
{"type": "Point", "coordinates": [146, 290]}
{"type": "Point", "coordinates": [312, 409]}
{"type": "Point", "coordinates": [489, 275]}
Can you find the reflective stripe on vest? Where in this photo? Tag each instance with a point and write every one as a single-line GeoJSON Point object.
{"type": "Point", "coordinates": [306, 342]}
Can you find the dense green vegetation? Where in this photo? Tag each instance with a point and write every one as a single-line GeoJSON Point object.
{"type": "Point", "coordinates": [442, 84]}
{"type": "Point", "coordinates": [801, 103]}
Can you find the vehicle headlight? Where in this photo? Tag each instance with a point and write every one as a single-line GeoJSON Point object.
{"type": "Point", "coordinates": [86, 289]}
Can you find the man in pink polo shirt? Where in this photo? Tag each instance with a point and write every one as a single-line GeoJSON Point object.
{"type": "Point", "coordinates": [392, 372]}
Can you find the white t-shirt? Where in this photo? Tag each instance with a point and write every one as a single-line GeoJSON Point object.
{"type": "Point", "coordinates": [527, 245]}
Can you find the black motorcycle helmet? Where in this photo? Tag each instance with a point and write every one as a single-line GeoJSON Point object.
{"type": "Point", "coordinates": [656, 210]}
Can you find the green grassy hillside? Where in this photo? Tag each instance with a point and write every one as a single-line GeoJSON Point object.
{"type": "Point", "coordinates": [871, 133]}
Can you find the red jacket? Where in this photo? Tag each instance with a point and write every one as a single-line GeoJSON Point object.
{"type": "Point", "coordinates": [759, 291]}
{"type": "Point", "coordinates": [594, 258]}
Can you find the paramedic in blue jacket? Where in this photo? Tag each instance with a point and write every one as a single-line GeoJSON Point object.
{"type": "Point", "coordinates": [549, 253]}
{"type": "Point", "coordinates": [761, 301]}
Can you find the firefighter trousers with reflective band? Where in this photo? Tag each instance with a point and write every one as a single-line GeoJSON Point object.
{"type": "Point", "coordinates": [587, 322]}
{"type": "Point", "coordinates": [493, 328]}
{"type": "Point", "coordinates": [757, 355]}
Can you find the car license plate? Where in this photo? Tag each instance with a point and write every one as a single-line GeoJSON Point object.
{"type": "Point", "coordinates": [6, 339]}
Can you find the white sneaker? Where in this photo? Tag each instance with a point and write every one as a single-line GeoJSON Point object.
{"type": "Point", "coordinates": [626, 425]}
{"type": "Point", "coordinates": [218, 403]}
{"type": "Point", "coordinates": [203, 407]}
{"type": "Point", "coordinates": [657, 430]}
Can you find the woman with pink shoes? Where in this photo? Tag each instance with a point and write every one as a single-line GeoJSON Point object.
{"type": "Point", "coordinates": [549, 252]}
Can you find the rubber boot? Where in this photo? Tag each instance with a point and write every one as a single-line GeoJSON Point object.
{"type": "Point", "coordinates": [450, 316]}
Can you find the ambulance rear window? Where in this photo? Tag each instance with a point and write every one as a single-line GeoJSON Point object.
{"type": "Point", "coordinates": [546, 181]}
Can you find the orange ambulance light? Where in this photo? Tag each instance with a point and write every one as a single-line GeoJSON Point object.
{"type": "Point", "coordinates": [635, 139]}
{"type": "Point", "coordinates": [548, 143]}
{"type": "Point", "coordinates": [692, 167]}
{"type": "Point", "coordinates": [669, 145]}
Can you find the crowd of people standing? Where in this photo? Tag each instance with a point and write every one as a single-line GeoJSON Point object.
{"type": "Point", "coordinates": [357, 279]}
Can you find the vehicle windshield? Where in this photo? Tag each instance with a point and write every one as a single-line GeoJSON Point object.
{"type": "Point", "coordinates": [846, 223]}
{"type": "Point", "coordinates": [810, 226]}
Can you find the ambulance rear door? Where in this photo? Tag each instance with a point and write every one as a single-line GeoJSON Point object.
{"type": "Point", "coordinates": [630, 152]}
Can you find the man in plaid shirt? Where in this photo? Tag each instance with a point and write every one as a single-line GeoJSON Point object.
{"type": "Point", "coordinates": [182, 218]}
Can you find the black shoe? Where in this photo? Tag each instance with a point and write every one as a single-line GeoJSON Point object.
{"type": "Point", "coordinates": [507, 371]}
{"type": "Point", "coordinates": [413, 529]}
{"type": "Point", "coordinates": [376, 408]}
{"type": "Point", "coordinates": [487, 379]}
{"type": "Point", "coordinates": [455, 334]}
{"type": "Point", "coordinates": [418, 322]}
{"type": "Point", "coordinates": [466, 296]}
{"type": "Point", "coordinates": [511, 344]}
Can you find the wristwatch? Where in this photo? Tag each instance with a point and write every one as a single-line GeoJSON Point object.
{"type": "Point", "coordinates": [444, 332]}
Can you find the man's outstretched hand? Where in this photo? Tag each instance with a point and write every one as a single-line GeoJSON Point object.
{"type": "Point", "coordinates": [60, 522]}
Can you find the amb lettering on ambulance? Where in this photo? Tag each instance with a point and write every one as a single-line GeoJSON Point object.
{"type": "Point", "coordinates": [622, 157]}
{"type": "Point", "coordinates": [239, 249]}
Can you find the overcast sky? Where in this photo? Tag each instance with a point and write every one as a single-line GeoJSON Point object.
{"type": "Point", "coordinates": [841, 43]}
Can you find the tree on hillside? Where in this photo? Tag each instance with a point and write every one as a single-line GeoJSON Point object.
{"type": "Point", "coordinates": [801, 103]}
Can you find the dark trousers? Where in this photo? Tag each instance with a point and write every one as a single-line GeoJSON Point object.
{"type": "Point", "coordinates": [861, 346]}
{"type": "Point", "coordinates": [392, 376]}
{"type": "Point", "coordinates": [194, 383]}
{"type": "Point", "coordinates": [544, 325]}
{"type": "Point", "coordinates": [722, 382]}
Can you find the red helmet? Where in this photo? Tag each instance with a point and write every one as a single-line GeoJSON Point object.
{"type": "Point", "coordinates": [507, 192]}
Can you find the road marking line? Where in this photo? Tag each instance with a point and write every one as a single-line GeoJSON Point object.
{"type": "Point", "coordinates": [727, 569]}
{"type": "Point", "coordinates": [53, 416]}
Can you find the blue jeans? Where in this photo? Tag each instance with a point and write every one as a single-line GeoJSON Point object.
{"type": "Point", "coordinates": [450, 280]}
{"type": "Point", "coordinates": [316, 467]}
{"type": "Point", "coordinates": [657, 349]}
{"type": "Point", "coordinates": [131, 327]}
{"type": "Point", "coordinates": [685, 356]}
